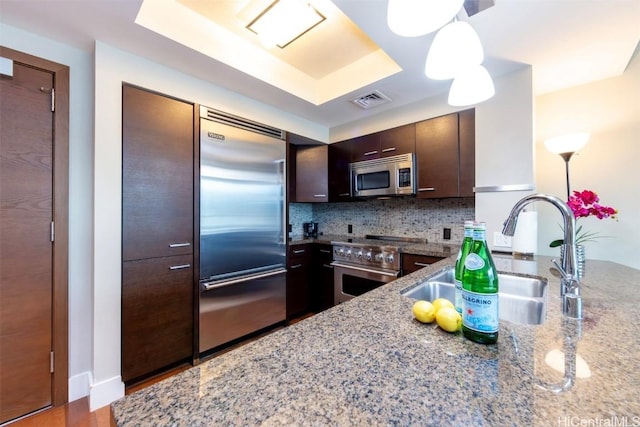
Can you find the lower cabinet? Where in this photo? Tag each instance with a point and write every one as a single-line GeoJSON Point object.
{"type": "Point", "coordinates": [157, 314]}
{"type": "Point", "coordinates": [413, 262]}
{"type": "Point", "coordinates": [322, 278]}
{"type": "Point", "coordinates": [298, 274]}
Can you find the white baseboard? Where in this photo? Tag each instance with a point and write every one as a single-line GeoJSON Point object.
{"type": "Point", "coordinates": [80, 385]}
{"type": "Point", "coordinates": [105, 392]}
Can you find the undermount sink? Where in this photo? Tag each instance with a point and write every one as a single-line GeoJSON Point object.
{"type": "Point", "coordinates": [521, 299]}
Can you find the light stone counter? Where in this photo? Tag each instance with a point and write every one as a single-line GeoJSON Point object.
{"type": "Point", "coordinates": [367, 362]}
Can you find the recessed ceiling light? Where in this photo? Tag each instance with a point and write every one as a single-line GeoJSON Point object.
{"type": "Point", "coordinates": [284, 21]}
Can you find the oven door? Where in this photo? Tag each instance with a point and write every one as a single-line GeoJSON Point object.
{"type": "Point", "coordinates": [353, 280]}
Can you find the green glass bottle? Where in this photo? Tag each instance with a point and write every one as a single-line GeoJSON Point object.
{"type": "Point", "coordinates": [462, 255]}
{"type": "Point", "coordinates": [480, 291]}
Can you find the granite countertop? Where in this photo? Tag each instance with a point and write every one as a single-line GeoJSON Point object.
{"type": "Point", "coordinates": [369, 362]}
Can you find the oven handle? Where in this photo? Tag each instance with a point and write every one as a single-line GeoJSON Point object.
{"type": "Point", "coordinates": [368, 270]}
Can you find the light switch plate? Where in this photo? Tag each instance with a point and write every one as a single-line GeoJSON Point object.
{"type": "Point", "coordinates": [500, 240]}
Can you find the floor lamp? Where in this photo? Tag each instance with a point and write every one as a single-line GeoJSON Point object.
{"type": "Point", "coordinates": [566, 146]}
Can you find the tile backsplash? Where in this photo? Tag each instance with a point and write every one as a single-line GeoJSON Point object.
{"type": "Point", "coordinates": [406, 217]}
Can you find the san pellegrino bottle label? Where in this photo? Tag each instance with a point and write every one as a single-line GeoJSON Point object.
{"type": "Point", "coordinates": [480, 311]}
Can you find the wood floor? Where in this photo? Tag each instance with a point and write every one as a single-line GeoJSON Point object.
{"type": "Point", "coordinates": [77, 414]}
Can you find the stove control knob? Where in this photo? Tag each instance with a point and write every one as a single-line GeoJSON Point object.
{"type": "Point", "coordinates": [348, 253]}
{"type": "Point", "coordinates": [359, 255]}
{"type": "Point", "coordinates": [379, 257]}
{"type": "Point", "coordinates": [390, 259]}
{"type": "Point", "coordinates": [368, 256]}
{"type": "Point", "coordinates": [340, 252]}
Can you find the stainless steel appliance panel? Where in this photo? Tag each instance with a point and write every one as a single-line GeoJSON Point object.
{"type": "Point", "coordinates": [241, 201]}
{"type": "Point", "coordinates": [232, 310]}
{"type": "Point", "coordinates": [353, 280]}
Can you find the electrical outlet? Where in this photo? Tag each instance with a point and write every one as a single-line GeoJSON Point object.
{"type": "Point", "coordinates": [446, 234]}
{"type": "Point", "coordinates": [500, 240]}
{"type": "Point", "coordinates": [349, 228]}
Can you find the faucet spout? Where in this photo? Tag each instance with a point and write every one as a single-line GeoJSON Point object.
{"type": "Point", "coordinates": [570, 283]}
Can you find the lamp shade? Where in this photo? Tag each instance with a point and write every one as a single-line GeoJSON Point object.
{"type": "Point", "coordinates": [471, 86]}
{"type": "Point", "coordinates": [455, 47]}
{"type": "Point", "coordinates": [411, 18]}
{"type": "Point", "coordinates": [567, 143]}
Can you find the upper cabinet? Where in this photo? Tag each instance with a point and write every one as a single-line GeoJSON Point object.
{"type": "Point", "coordinates": [339, 181]}
{"type": "Point", "coordinates": [400, 140]}
{"type": "Point", "coordinates": [308, 181]}
{"type": "Point", "coordinates": [445, 155]}
{"type": "Point", "coordinates": [390, 142]}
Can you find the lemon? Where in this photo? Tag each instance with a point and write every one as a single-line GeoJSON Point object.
{"type": "Point", "coordinates": [449, 319]}
{"type": "Point", "coordinates": [442, 302]}
{"type": "Point", "coordinates": [424, 311]}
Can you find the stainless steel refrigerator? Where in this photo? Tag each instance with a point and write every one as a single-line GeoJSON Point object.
{"type": "Point", "coordinates": [242, 227]}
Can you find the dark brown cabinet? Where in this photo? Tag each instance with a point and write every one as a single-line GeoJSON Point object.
{"type": "Point", "coordinates": [321, 278]}
{"type": "Point", "coordinates": [366, 147]}
{"type": "Point", "coordinates": [400, 140]}
{"type": "Point", "coordinates": [298, 274]}
{"type": "Point", "coordinates": [312, 184]}
{"type": "Point", "coordinates": [445, 162]}
{"type": "Point", "coordinates": [338, 171]}
{"type": "Point", "coordinates": [413, 262]}
{"type": "Point", "coordinates": [157, 231]}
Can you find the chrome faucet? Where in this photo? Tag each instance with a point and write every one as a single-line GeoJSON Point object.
{"type": "Point", "coordinates": [570, 283]}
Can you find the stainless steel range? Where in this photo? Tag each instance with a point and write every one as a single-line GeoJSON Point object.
{"type": "Point", "coordinates": [362, 267]}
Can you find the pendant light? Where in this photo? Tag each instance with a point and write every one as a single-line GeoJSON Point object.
{"type": "Point", "coordinates": [411, 18]}
{"type": "Point", "coordinates": [472, 86]}
{"type": "Point", "coordinates": [455, 47]}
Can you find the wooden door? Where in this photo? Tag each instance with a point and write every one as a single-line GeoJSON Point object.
{"type": "Point", "coordinates": [366, 147]}
{"type": "Point", "coordinates": [400, 140]}
{"type": "Point", "coordinates": [26, 213]}
{"type": "Point", "coordinates": [311, 174]}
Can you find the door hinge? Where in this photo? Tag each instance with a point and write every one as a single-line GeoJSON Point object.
{"type": "Point", "coordinates": [53, 231]}
{"type": "Point", "coordinates": [51, 358]}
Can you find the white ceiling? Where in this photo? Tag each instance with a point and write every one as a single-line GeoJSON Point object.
{"type": "Point", "coordinates": [568, 42]}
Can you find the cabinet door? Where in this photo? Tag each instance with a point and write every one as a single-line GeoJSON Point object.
{"type": "Point", "coordinates": [311, 173]}
{"type": "Point", "coordinates": [338, 171]}
{"type": "Point", "coordinates": [400, 140]}
{"type": "Point", "coordinates": [467, 125]}
{"type": "Point", "coordinates": [322, 278]}
{"type": "Point", "coordinates": [157, 314]}
{"type": "Point", "coordinates": [157, 175]}
{"type": "Point", "coordinates": [437, 157]}
{"type": "Point", "coordinates": [298, 280]}
{"type": "Point", "coordinates": [365, 147]}
{"type": "Point", "coordinates": [413, 262]}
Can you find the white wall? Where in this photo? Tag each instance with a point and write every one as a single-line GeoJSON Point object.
{"type": "Point", "coordinates": [80, 194]}
{"type": "Point", "coordinates": [504, 140]}
{"type": "Point", "coordinates": [609, 164]}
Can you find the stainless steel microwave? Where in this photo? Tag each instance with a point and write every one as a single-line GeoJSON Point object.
{"type": "Point", "coordinates": [387, 176]}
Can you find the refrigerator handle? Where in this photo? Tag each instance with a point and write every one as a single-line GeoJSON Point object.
{"type": "Point", "coordinates": [221, 284]}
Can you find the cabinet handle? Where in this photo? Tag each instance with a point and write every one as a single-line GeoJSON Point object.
{"type": "Point", "coordinates": [179, 267]}
{"type": "Point", "coordinates": [386, 150]}
{"type": "Point", "coordinates": [319, 195]}
{"type": "Point", "coordinates": [296, 266]}
{"type": "Point", "coordinates": [427, 189]}
{"type": "Point", "coordinates": [420, 264]}
{"type": "Point", "coordinates": [325, 251]}
{"type": "Point", "coordinates": [179, 245]}
{"type": "Point", "coordinates": [369, 153]}
{"type": "Point", "coordinates": [328, 266]}
{"type": "Point", "coordinates": [343, 194]}
{"type": "Point", "coordinates": [298, 251]}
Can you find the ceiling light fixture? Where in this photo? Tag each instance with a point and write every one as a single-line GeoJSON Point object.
{"type": "Point", "coordinates": [472, 86]}
{"type": "Point", "coordinates": [284, 21]}
{"type": "Point", "coordinates": [411, 18]}
{"type": "Point", "coordinates": [455, 47]}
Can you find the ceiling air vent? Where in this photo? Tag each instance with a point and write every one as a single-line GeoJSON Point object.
{"type": "Point", "coordinates": [371, 100]}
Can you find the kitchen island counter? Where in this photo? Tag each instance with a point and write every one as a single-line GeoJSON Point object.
{"type": "Point", "coordinates": [369, 362]}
